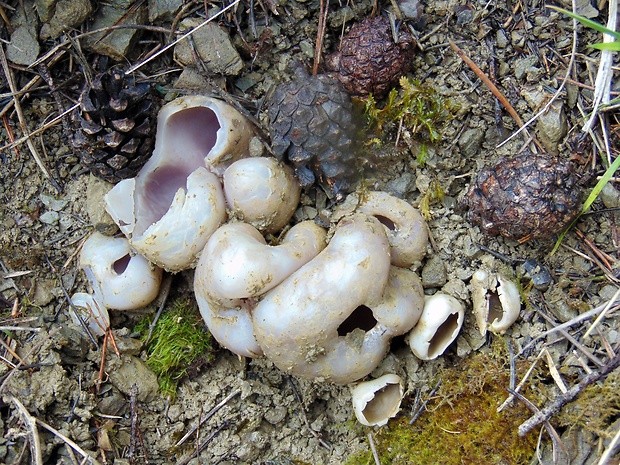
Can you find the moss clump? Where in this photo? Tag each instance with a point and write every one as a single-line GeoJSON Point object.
{"type": "Point", "coordinates": [462, 425]}
{"type": "Point", "coordinates": [416, 108]}
{"type": "Point", "coordinates": [432, 194]}
{"type": "Point", "coordinates": [179, 340]}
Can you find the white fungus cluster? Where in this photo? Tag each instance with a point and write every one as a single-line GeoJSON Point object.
{"type": "Point", "coordinates": [320, 309]}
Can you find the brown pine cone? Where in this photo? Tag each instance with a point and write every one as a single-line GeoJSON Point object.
{"type": "Point", "coordinates": [369, 61]}
{"type": "Point", "coordinates": [310, 120]}
{"type": "Point", "coordinates": [117, 130]}
{"type": "Point", "coordinates": [524, 197]}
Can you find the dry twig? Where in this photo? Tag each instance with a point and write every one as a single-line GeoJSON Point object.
{"type": "Point", "coordinates": [32, 351]}
{"type": "Point", "coordinates": [603, 314]}
{"type": "Point", "coordinates": [373, 448]}
{"type": "Point", "coordinates": [555, 406]}
{"type": "Point", "coordinates": [602, 83]}
{"type": "Point", "coordinates": [29, 420]}
{"type": "Point", "coordinates": [569, 70]}
{"type": "Point", "coordinates": [22, 122]}
{"type": "Point", "coordinates": [209, 414]}
{"type": "Point", "coordinates": [555, 437]}
{"type": "Point", "coordinates": [68, 441]}
{"type": "Point", "coordinates": [492, 87]}
{"type": "Point", "coordinates": [609, 452]}
{"type": "Point", "coordinates": [305, 418]}
{"type": "Point", "coordinates": [422, 407]}
{"type": "Point", "coordinates": [324, 9]}
{"type": "Point", "coordinates": [578, 319]}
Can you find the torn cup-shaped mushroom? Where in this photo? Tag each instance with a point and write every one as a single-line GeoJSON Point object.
{"type": "Point", "coordinates": [377, 400]}
{"type": "Point", "coordinates": [121, 279]}
{"type": "Point", "coordinates": [333, 319]}
{"type": "Point", "coordinates": [175, 203]}
{"type": "Point", "coordinates": [236, 266]}
{"type": "Point", "coordinates": [496, 301]}
{"type": "Point", "coordinates": [438, 326]}
{"type": "Point", "coordinates": [261, 191]}
{"type": "Point", "coordinates": [88, 312]}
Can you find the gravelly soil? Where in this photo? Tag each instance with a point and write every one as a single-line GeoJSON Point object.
{"type": "Point", "coordinates": [267, 416]}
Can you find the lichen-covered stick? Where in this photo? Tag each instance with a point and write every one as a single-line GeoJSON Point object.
{"type": "Point", "coordinates": [567, 397]}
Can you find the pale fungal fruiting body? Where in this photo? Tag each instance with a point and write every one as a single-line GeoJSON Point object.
{"type": "Point", "coordinates": [438, 326]}
{"type": "Point", "coordinates": [262, 192]}
{"type": "Point", "coordinates": [237, 265]}
{"type": "Point", "coordinates": [89, 311]}
{"type": "Point", "coordinates": [231, 325]}
{"type": "Point", "coordinates": [404, 225]}
{"type": "Point", "coordinates": [175, 203]}
{"type": "Point", "coordinates": [171, 233]}
{"type": "Point", "coordinates": [496, 301]}
{"type": "Point", "coordinates": [377, 400]}
{"type": "Point", "coordinates": [121, 279]}
{"type": "Point", "coordinates": [326, 320]}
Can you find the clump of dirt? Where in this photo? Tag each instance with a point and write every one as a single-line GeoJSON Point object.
{"type": "Point", "coordinates": [59, 385]}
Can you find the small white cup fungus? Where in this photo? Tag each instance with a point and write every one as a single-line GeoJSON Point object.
{"type": "Point", "coordinates": [377, 400]}
{"type": "Point", "coordinates": [496, 301]}
{"type": "Point", "coordinates": [325, 320]}
{"type": "Point", "coordinates": [438, 326]}
{"type": "Point", "coordinates": [91, 312]}
{"type": "Point", "coordinates": [174, 204]}
{"type": "Point", "coordinates": [121, 280]}
{"type": "Point", "coordinates": [236, 265]}
{"type": "Point", "coordinates": [262, 191]}
{"type": "Point", "coordinates": [404, 225]}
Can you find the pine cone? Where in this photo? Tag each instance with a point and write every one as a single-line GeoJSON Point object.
{"type": "Point", "coordinates": [369, 61]}
{"type": "Point", "coordinates": [524, 197]}
{"type": "Point", "coordinates": [311, 124]}
{"type": "Point", "coordinates": [116, 133]}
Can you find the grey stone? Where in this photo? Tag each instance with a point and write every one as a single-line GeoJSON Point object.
{"type": "Point", "coordinates": [116, 44]}
{"type": "Point", "coordinates": [502, 40]}
{"type": "Point", "coordinates": [213, 46]}
{"type": "Point", "coordinates": [112, 402]}
{"type": "Point", "coordinates": [607, 292]}
{"type": "Point", "coordinates": [128, 345]}
{"type": "Point", "coordinates": [470, 141]}
{"type": "Point", "coordinates": [49, 217]}
{"type": "Point", "coordinates": [96, 189]}
{"type": "Point", "coordinates": [462, 347]}
{"type": "Point", "coordinates": [52, 203]}
{"type": "Point", "coordinates": [534, 96]}
{"type": "Point", "coordinates": [45, 9]}
{"type": "Point", "coordinates": [191, 79]}
{"type": "Point", "coordinates": [130, 370]}
{"type": "Point", "coordinates": [552, 126]}
{"type": "Point", "coordinates": [163, 10]}
{"type": "Point", "coordinates": [585, 8]}
{"type": "Point", "coordinates": [524, 67]}
{"type": "Point", "coordinates": [610, 196]}
{"type": "Point", "coordinates": [68, 14]}
{"type": "Point", "coordinates": [24, 47]}
{"type": "Point", "coordinates": [434, 273]}
{"type": "Point", "coordinates": [401, 185]}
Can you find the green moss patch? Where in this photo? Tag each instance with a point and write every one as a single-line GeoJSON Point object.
{"type": "Point", "coordinates": [461, 424]}
{"type": "Point", "coordinates": [179, 342]}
